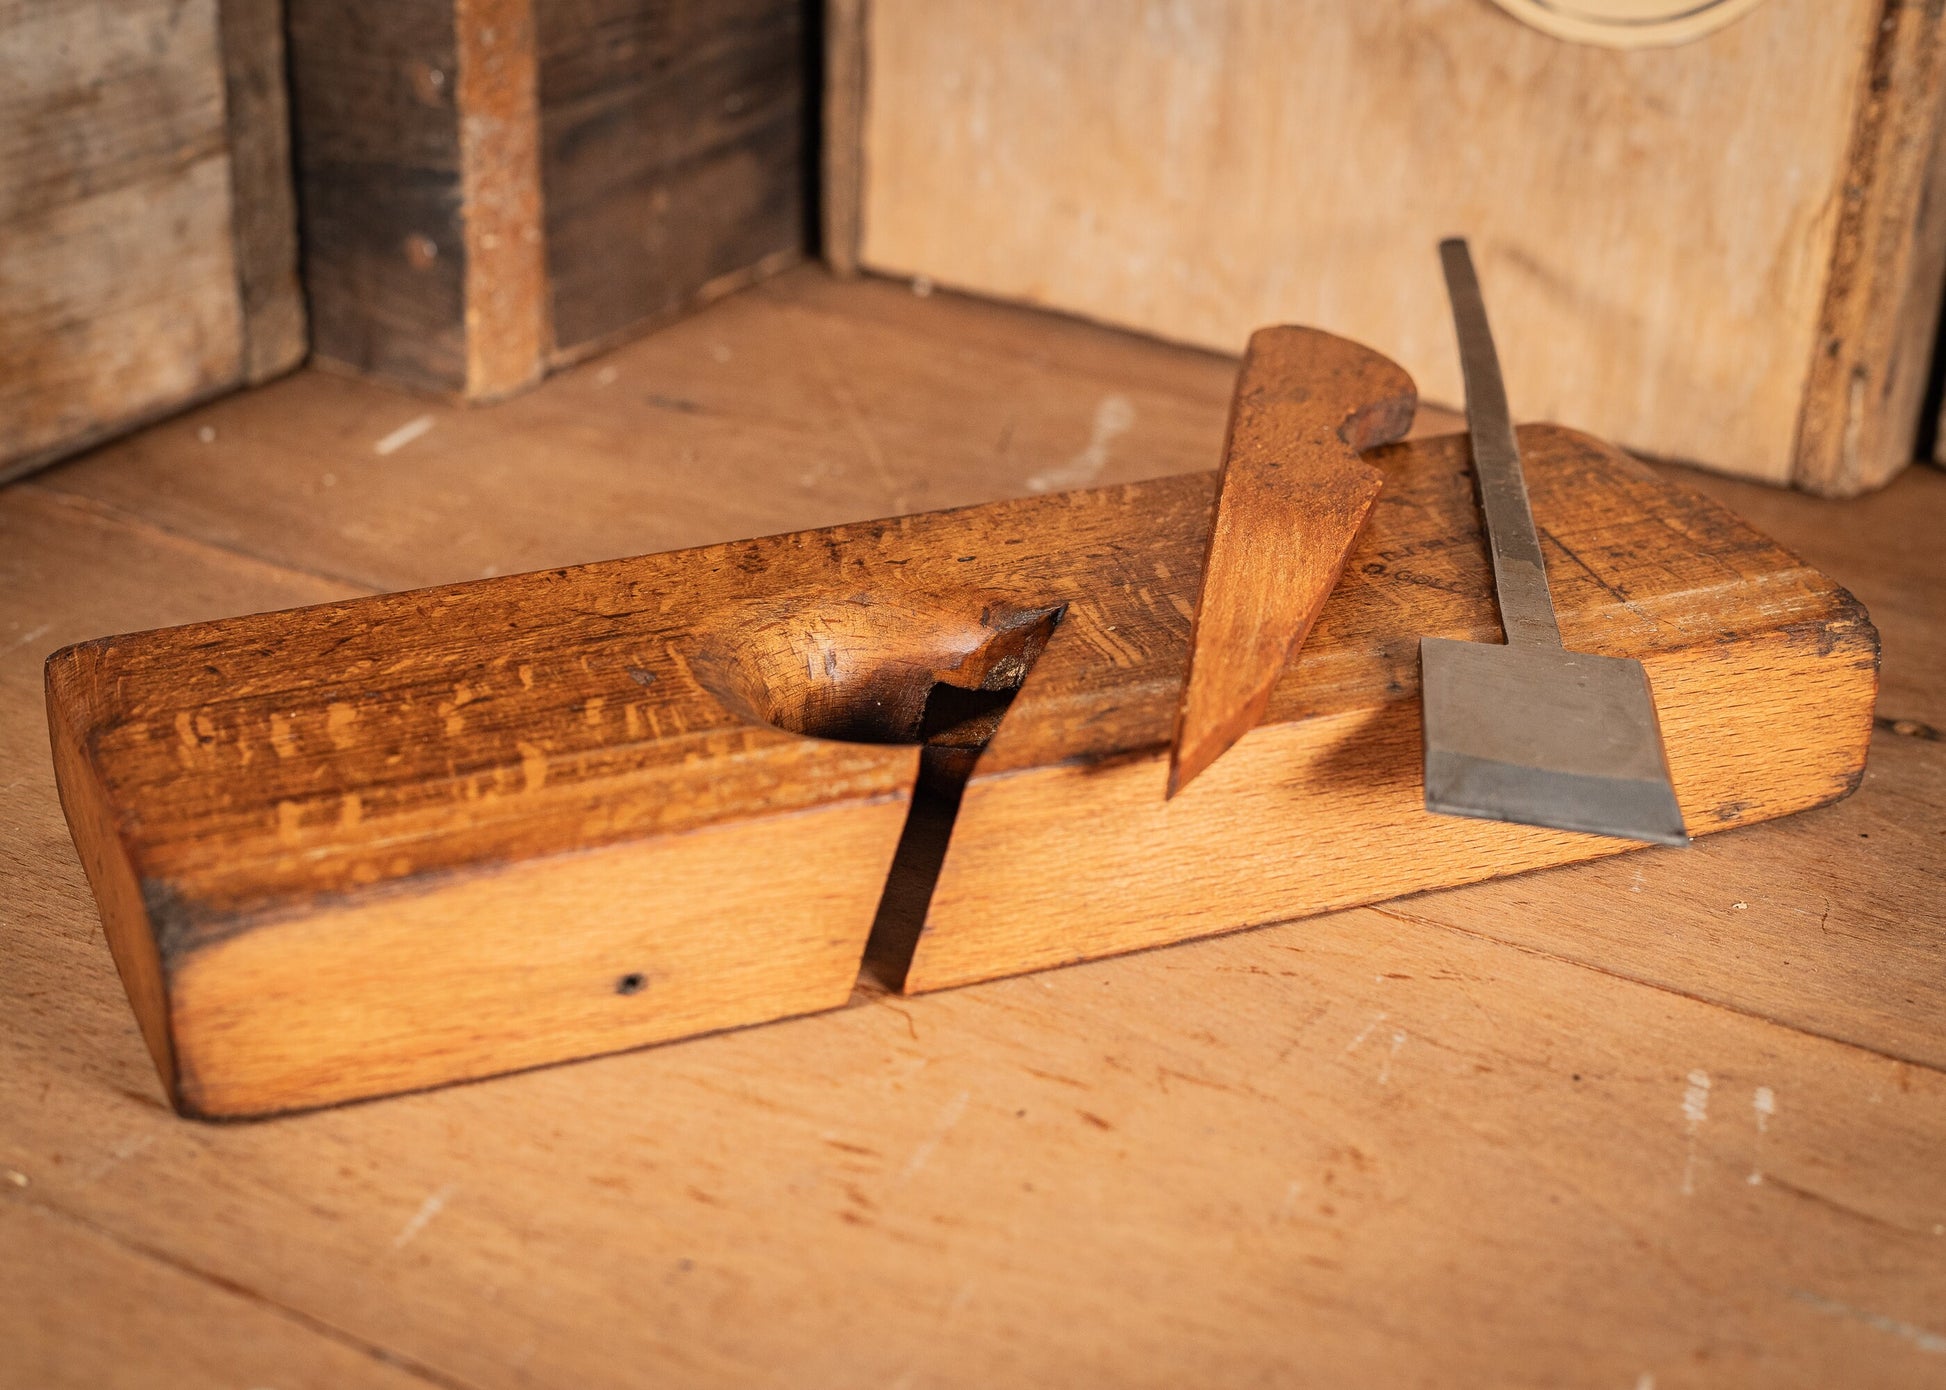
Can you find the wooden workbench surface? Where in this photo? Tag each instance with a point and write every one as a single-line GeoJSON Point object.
{"type": "Point", "coordinates": [1673, 1118]}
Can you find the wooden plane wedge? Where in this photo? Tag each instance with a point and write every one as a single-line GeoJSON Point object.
{"type": "Point", "coordinates": [1291, 497]}
{"type": "Point", "coordinates": [393, 842]}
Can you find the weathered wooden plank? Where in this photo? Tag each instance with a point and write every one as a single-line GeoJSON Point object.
{"type": "Point", "coordinates": [498, 108]}
{"type": "Point", "coordinates": [498, 187]}
{"type": "Point", "coordinates": [263, 196]}
{"type": "Point", "coordinates": [672, 151]}
{"type": "Point", "coordinates": [1371, 1150]}
{"type": "Point", "coordinates": [841, 132]}
{"type": "Point", "coordinates": [1876, 329]}
{"type": "Point", "coordinates": [118, 281]}
{"type": "Point", "coordinates": [379, 187]}
{"type": "Point", "coordinates": [1760, 300]}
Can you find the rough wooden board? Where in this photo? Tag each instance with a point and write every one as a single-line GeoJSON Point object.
{"type": "Point", "coordinates": [118, 283]}
{"type": "Point", "coordinates": [263, 196]}
{"type": "Point", "coordinates": [842, 135]}
{"type": "Point", "coordinates": [1198, 172]}
{"type": "Point", "coordinates": [671, 143]}
{"type": "Point", "coordinates": [1374, 1151]}
{"type": "Point", "coordinates": [1878, 326]}
{"type": "Point", "coordinates": [379, 187]}
{"type": "Point", "coordinates": [858, 1196]}
{"type": "Point", "coordinates": [493, 188]}
{"type": "Point", "coordinates": [498, 112]}
{"type": "Point", "coordinates": [91, 1313]}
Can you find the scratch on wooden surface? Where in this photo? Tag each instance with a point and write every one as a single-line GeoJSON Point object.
{"type": "Point", "coordinates": [1385, 1068]}
{"type": "Point", "coordinates": [1364, 1033]}
{"type": "Point", "coordinates": [1114, 417]}
{"type": "Point", "coordinates": [1919, 1337]}
{"type": "Point", "coordinates": [1695, 1109]}
{"type": "Point", "coordinates": [948, 1117]}
{"type": "Point", "coordinates": [434, 1204]}
{"type": "Point", "coordinates": [117, 1156]}
{"type": "Point", "coordinates": [412, 429]}
{"type": "Point", "coordinates": [1764, 1102]}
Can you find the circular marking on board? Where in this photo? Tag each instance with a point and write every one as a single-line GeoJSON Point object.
{"type": "Point", "coordinates": [1628, 23]}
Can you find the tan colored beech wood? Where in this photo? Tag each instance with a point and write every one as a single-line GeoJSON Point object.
{"type": "Point", "coordinates": [1443, 1141]}
{"type": "Point", "coordinates": [1722, 251]}
{"type": "Point", "coordinates": [1291, 497]}
{"type": "Point", "coordinates": [1764, 674]}
{"type": "Point", "coordinates": [397, 841]}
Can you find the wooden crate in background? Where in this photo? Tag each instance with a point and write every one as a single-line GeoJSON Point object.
{"type": "Point", "coordinates": [148, 253]}
{"type": "Point", "coordinates": [491, 188]}
{"type": "Point", "coordinates": [1728, 251]}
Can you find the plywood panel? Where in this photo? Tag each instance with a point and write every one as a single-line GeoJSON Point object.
{"type": "Point", "coordinates": [1656, 227]}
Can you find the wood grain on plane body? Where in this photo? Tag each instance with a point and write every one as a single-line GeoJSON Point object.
{"type": "Point", "coordinates": [1291, 499]}
{"type": "Point", "coordinates": [392, 842]}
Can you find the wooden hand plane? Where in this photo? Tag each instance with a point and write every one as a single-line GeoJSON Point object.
{"type": "Point", "coordinates": [384, 844]}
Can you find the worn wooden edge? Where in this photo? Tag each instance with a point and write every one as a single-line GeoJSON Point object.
{"type": "Point", "coordinates": [112, 875]}
{"type": "Point", "coordinates": [1269, 832]}
{"type": "Point", "coordinates": [507, 316]}
{"type": "Point", "coordinates": [263, 188]}
{"type": "Point", "coordinates": [1859, 420]}
{"type": "Point", "coordinates": [842, 152]}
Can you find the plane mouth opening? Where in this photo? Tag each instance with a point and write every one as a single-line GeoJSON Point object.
{"type": "Point", "coordinates": [865, 670]}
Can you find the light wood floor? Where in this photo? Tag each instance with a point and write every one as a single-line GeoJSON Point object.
{"type": "Point", "coordinates": [1669, 1119]}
